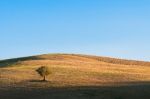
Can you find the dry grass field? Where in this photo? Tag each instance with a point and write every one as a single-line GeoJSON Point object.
{"type": "Point", "coordinates": [74, 77]}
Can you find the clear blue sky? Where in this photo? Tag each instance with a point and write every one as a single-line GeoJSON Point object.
{"type": "Point", "coordinates": [115, 28]}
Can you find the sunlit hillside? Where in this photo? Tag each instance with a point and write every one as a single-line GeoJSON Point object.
{"type": "Point", "coordinates": [71, 70]}
{"type": "Point", "coordinates": [74, 70]}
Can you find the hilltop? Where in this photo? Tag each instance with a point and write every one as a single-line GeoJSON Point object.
{"type": "Point", "coordinates": [9, 62]}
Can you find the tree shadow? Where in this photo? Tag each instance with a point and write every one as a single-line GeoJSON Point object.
{"type": "Point", "coordinates": [38, 81]}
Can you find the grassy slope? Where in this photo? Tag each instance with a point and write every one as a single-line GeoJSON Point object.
{"type": "Point", "coordinates": [77, 73]}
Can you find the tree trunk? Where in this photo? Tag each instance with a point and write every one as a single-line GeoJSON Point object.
{"type": "Point", "coordinates": [44, 79]}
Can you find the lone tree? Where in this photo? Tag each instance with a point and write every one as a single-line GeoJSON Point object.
{"type": "Point", "coordinates": [43, 71]}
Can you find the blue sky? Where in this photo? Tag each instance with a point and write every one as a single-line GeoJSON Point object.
{"type": "Point", "coordinates": [115, 28]}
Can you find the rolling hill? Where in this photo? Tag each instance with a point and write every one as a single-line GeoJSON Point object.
{"type": "Point", "coordinates": [74, 76]}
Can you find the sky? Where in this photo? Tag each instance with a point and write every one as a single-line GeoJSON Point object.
{"type": "Point", "coordinates": [113, 28]}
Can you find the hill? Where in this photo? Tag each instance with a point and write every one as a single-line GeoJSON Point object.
{"type": "Point", "coordinates": [74, 76]}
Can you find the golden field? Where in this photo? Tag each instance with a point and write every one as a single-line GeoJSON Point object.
{"type": "Point", "coordinates": [73, 72]}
